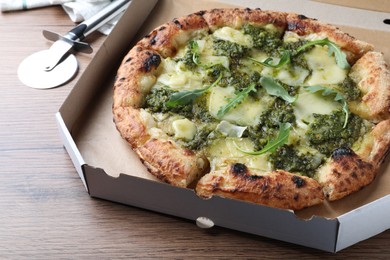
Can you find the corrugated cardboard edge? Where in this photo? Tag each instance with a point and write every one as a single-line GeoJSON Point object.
{"type": "Point", "coordinates": [274, 223]}
{"type": "Point", "coordinates": [364, 222]}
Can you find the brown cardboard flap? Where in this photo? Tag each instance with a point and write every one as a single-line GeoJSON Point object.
{"type": "Point", "coordinates": [374, 5]}
{"type": "Point", "coordinates": [101, 145]}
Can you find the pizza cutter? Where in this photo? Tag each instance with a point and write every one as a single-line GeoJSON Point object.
{"type": "Point", "coordinates": [57, 65]}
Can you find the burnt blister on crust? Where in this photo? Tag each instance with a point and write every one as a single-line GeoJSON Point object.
{"type": "Point", "coordinates": [298, 181]}
{"type": "Point", "coordinates": [240, 169]}
{"type": "Point", "coordinates": [341, 152]}
{"type": "Point", "coordinates": [151, 62]}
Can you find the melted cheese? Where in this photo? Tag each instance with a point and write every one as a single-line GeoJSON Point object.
{"type": "Point", "coordinates": [324, 67]}
{"type": "Point", "coordinates": [246, 113]}
{"type": "Point", "coordinates": [174, 76]}
{"type": "Point", "coordinates": [224, 151]}
{"type": "Point", "coordinates": [233, 35]}
{"type": "Point", "coordinates": [309, 103]}
{"type": "Point", "coordinates": [221, 152]}
{"type": "Point", "coordinates": [184, 129]}
{"type": "Point", "coordinates": [293, 76]}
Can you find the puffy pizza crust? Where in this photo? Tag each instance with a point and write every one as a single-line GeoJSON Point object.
{"type": "Point", "coordinates": [171, 163]}
{"type": "Point", "coordinates": [312, 29]}
{"type": "Point", "coordinates": [279, 189]}
{"type": "Point", "coordinates": [181, 167]}
{"type": "Point", "coordinates": [372, 76]}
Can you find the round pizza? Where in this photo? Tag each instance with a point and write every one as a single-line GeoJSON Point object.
{"type": "Point", "coordinates": [267, 107]}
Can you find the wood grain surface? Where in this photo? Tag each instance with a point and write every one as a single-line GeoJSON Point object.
{"type": "Point", "coordinates": [45, 212]}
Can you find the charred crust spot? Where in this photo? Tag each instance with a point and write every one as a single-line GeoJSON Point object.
{"type": "Point", "coordinates": [264, 186]}
{"type": "Point", "coordinates": [302, 17]}
{"type": "Point", "coordinates": [162, 28]}
{"type": "Point", "coordinates": [293, 26]}
{"type": "Point", "coordinates": [296, 196]}
{"type": "Point", "coordinates": [258, 8]}
{"type": "Point", "coordinates": [354, 175]}
{"type": "Point", "coordinates": [152, 61]}
{"type": "Point", "coordinates": [177, 23]}
{"type": "Point", "coordinates": [248, 10]}
{"type": "Point", "coordinates": [336, 172]}
{"type": "Point", "coordinates": [255, 177]}
{"type": "Point", "coordinates": [298, 181]}
{"type": "Point", "coordinates": [128, 60]}
{"type": "Point", "coordinates": [188, 152]}
{"type": "Point", "coordinates": [122, 79]}
{"type": "Point", "coordinates": [341, 152]}
{"type": "Point", "coordinates": [200, 13]}
{"type": "Point", "coordinates": [239, 168]}
{"type": "Point", "coordinates": [153, 40]}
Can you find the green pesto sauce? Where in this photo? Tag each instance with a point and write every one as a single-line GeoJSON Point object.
{"type": "Point", "coordinates": [326, 133]}
{"type": "Point", "coordinates": [188, 58]}
{"type": "Point", "coordinates": [349, 89]}
{"type": "Point", "coordinates": [232, 50]}
{"type": "Point", "coordinates": [297, 59]}
{"type": "Point", "coordinates": [264, 40]}
{"type": "Point", "coordinates": [202, 137]}
{"type": "Point", "coordinates": [290, 159]}
{"type": "Point", "coordinates": [279, 112]}
{"type": "Point", "coordinates": [156, 100]}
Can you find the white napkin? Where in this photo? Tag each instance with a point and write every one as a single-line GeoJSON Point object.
{"type": "Point", "coordinates": [12, 5]}
{"type": "Point", "coordinates": [78, 10]}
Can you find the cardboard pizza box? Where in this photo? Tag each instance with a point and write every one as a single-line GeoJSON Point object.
{"type": "Point", "coordinates": [110, 170]}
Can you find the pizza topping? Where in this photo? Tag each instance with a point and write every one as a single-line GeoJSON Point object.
{"type": "Point", "coordinates": [273, 88]}
{"type": "Point", "coordinates": [257, 99]}
{"type": "Point", "coordinates": [282, 137]}
{"type": "Point", "coordinates": [230, 130]}
{"type": "Point", "coordinates": [187, 97]}
{"type": "Point", "coordinates": [338, 97]}
{"type": "Point", "coordinates": [284, 59]}
{"type": "Point", "coordinates": [184, 129]}
{"type": "Point", "coordinates": [327, 132]}
{"type": "Point", "coordinates": [263, 39]}
{"type": "Point", "coordinates": [234, 36]}
{"type": "Point", "coordinates": [233, 102]}
{"type": "Point", "coordinates": [349, 89]}
{"type": "Point", "coordinates": [279, 112]}
{"type": "Point", "coordinates": [290, 159]}
{"type": "Point", "coordinates": [333, 48]}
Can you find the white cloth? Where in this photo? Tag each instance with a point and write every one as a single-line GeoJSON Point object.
{"type": "Point", "coordinates": [77, 10]}
{"type": "Point", "coordinates": [12, 5]}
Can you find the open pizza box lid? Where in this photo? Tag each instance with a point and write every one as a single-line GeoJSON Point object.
{"type": "Point", "coordinates": [110, 170]}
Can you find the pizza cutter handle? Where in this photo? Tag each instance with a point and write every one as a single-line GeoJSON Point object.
{"type": "Point", "coordinates": [105, 15]}
{"type": "Point", "coordinates": [78, 33]}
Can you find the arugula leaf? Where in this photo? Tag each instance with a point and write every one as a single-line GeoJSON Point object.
{"type": "Point", "coordinates": [233, 102]}
{"type": "Point", "coordinates": [281, 139]}
{"type": "Point", "coordinates": [194, 48]}
{"type": "Point", "coordinates": [284, 59]}
{"type": "Point", "coordinates": [338, 97]}
{"type": "Point", "coordinates": [341, 58]}
{"type": "Point", "coordinates": [188, 96]}
{"type": "Point", "coordinates": [275, 89]}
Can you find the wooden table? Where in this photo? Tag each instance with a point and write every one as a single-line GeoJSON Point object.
{"type": "Point", "coordinates": [45, 212]}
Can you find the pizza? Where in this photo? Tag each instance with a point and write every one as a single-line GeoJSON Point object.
{"type": "Point", "coordinates": [267, 107]}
